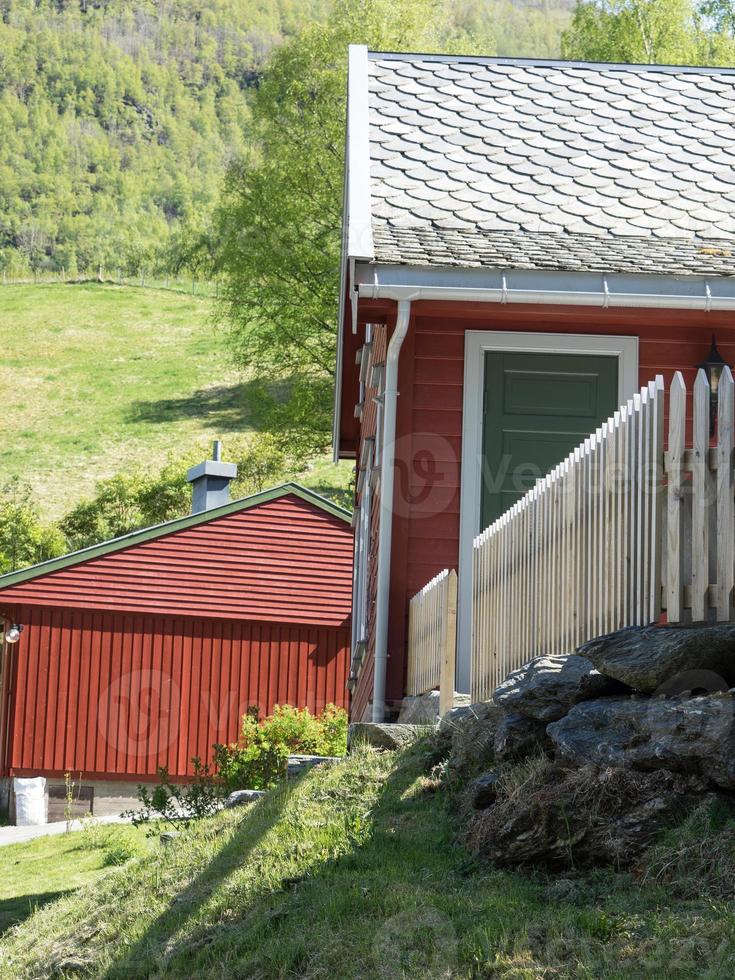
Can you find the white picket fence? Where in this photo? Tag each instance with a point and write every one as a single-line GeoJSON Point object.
{"type": "Point", "coordinates": [580, 554]}
{"type": "Point", "coordinates": [699, 555]}
{"type": "Point", "coordinates": [616, 533]}
{"type": "Point", "coordinates": [432, 632]}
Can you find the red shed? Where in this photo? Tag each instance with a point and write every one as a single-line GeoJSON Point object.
{"type": "Point", "coordinates": [146, 650]}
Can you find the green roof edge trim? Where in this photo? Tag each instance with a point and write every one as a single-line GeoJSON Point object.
{"type": "Point", "coordinates": [170, 527]}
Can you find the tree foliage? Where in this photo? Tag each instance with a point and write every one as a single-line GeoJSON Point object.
{"type": "Point", "coordinates": [24, 538]}
{"type": "Point", "coordinates": [280, 219]}
{"type": "Point", "coordinates": [130, 501]}
{"type": "Point", "coordinates": [650, 32]}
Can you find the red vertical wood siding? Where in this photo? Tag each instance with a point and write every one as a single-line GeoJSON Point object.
{"type": "Point", "coordinates": [116, 695]}
{"type": "Point", "coordinates": [282, 561]}
{"type": "Point", "coordinates": [431, 376]}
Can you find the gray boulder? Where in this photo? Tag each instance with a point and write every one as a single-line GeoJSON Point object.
{"type": "Point", "coordinates": [518, 736]}
{"type": "Point", "coordinates": [547, 687]}
{"type": "Point", "coordinates": [424, 708]}
{"type": "Point", "coordinates": [383, 736]}
{"type": "Point", "coordinates": [243, 797]}
{"type": "Point", "coordinates": [684, 735]}
{"type": "Point", "coordinates": [647, 658]}
{"type": "Point", "coordinates": [483, 791]}
{"type": "Point", "coordinates": [571, 819]}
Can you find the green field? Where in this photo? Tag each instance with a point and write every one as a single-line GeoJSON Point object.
{"type": "Point", "coordinates": [99, 378]}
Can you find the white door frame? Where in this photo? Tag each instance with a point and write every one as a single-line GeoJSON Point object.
{"type": "Point", "coordinates": [477, 344]}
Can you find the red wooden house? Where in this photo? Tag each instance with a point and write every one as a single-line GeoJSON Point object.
{"type": "Point", "coordinates": [525, 243]}
{"type": "Point", "coordinates": [144, 651]}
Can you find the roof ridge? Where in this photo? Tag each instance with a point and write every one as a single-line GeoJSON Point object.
{"type": "Point", "coordinates": [143, 534]}
{"type": "Point", "coordinates": [374, 55]}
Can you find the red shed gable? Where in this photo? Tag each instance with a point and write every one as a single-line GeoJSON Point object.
{"type": "Point", "coordinates": [282, 558]}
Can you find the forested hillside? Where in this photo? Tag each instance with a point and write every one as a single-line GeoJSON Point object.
{"type": "Point", "coordinates": [118, 117]}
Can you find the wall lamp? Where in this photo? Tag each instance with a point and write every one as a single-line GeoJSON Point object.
{"type": "Point", "coordinates": [713, 367]}
{"type": "Point", "coordinates": [13, 634]}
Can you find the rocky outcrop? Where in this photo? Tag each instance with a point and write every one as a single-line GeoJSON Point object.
{"type": "Point", "coordinates": [684, 735]}
{"type": "Point", "coordinates": [650, 658]}
{"type": "Point", "coordinates": [579, 818]}
{"type": "Point", "coordinates": [483, 791]}
{"type": "Point", "coordinates": [547, 687]}
{"type": "Point", "coordinates": [382, 736]}
{"type": "Point", "coordinates": [471, 735]}
{"type": "Point", "coordinates": [519, 736]}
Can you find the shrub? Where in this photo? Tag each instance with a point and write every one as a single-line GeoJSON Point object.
{"type": "Point", "coordinates": [179, 804]}
{"type": "Point", "coordinates": [258, 759]}
{"type": "Point", "coordinates": [118, 850]}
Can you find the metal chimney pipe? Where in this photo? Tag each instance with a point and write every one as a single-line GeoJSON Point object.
{"type": "Point", "coordinates": [210, 481]}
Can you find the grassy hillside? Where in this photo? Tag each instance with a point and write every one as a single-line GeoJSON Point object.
{"type": "Point", "coordinates": [355, 873]}
{"type": "Point", "coordinates": [98, 378]}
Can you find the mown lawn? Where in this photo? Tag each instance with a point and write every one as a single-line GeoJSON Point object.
{"type": "Point", "coordinates": [99, 378]}
{"type": "Point", "coordinates": [356, 872]}
{"type": "Point", "coordinates": [41, 870]}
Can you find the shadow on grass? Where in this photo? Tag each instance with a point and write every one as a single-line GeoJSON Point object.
{"type": "Point", "coordinates": [145, 955]}
{"type": "Point", "coordinates": [229, 408]}
{"type": "Point", "coordinates": [237, 941]}
{"type": "Point", "coordinates": [18, 908]}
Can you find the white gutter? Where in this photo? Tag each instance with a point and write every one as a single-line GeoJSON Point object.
{"type": "Point", "coordinates": [385, 528]}
{"type": "Point", "coordinates": [544, 288]}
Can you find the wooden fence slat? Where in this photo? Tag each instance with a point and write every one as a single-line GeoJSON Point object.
{"type": "Point", "coordinates": [700, 497]}
{"type": "Point", "coordinates": [725, 522]}
{"type": "Point", "coordinates": [677, 424]}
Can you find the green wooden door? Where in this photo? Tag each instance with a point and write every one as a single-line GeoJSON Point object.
{"type": "Point", "coordinates": [537, 408]}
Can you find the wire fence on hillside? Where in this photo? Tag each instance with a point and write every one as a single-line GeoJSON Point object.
{"type": "Point", "coordinates": [174, 283]}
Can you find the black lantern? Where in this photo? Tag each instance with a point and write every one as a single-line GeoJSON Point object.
{"type": "Point", "coordinates": [713, 368]}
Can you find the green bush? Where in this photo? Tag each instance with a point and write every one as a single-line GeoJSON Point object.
{"type": "Point", "coordinates": [179, 804]}
{"type": "Point", "coordinates": [258, 759]}
{"type": "Point", "coordinates": [119, 851]}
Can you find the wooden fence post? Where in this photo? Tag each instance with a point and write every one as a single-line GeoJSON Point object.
{"type": "Point", "coordinates": [449, 646]}
{"type": "Point", "coordinates": [675, 513]}
{"type": "Point", "coordinates": [700, 498]}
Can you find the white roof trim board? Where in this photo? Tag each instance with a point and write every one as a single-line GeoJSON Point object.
{"type": "Point", "coordinates": [513, 163]}
{"type": "Point", "coordinates": [359, 226]}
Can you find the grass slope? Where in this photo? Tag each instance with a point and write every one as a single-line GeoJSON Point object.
{"type": "Point", "coordinates": [98, 378]}
{"type": "Point", "coordinates": [354, 872]}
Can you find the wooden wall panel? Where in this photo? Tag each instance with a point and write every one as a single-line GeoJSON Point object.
{"type": "Point", "coordinates": [117, 695]}
{"type": "Point", "coordinates": [431, 379]}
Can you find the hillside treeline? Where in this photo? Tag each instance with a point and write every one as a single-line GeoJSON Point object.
{"type": "Point", "coordinates": [118, 117]}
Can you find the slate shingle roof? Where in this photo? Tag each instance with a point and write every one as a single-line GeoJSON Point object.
{"type": "Point", "coordinates": [482, 162]}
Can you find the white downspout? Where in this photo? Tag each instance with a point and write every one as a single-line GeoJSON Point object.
{"type": "Point", "coordinates": [385, 529]}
